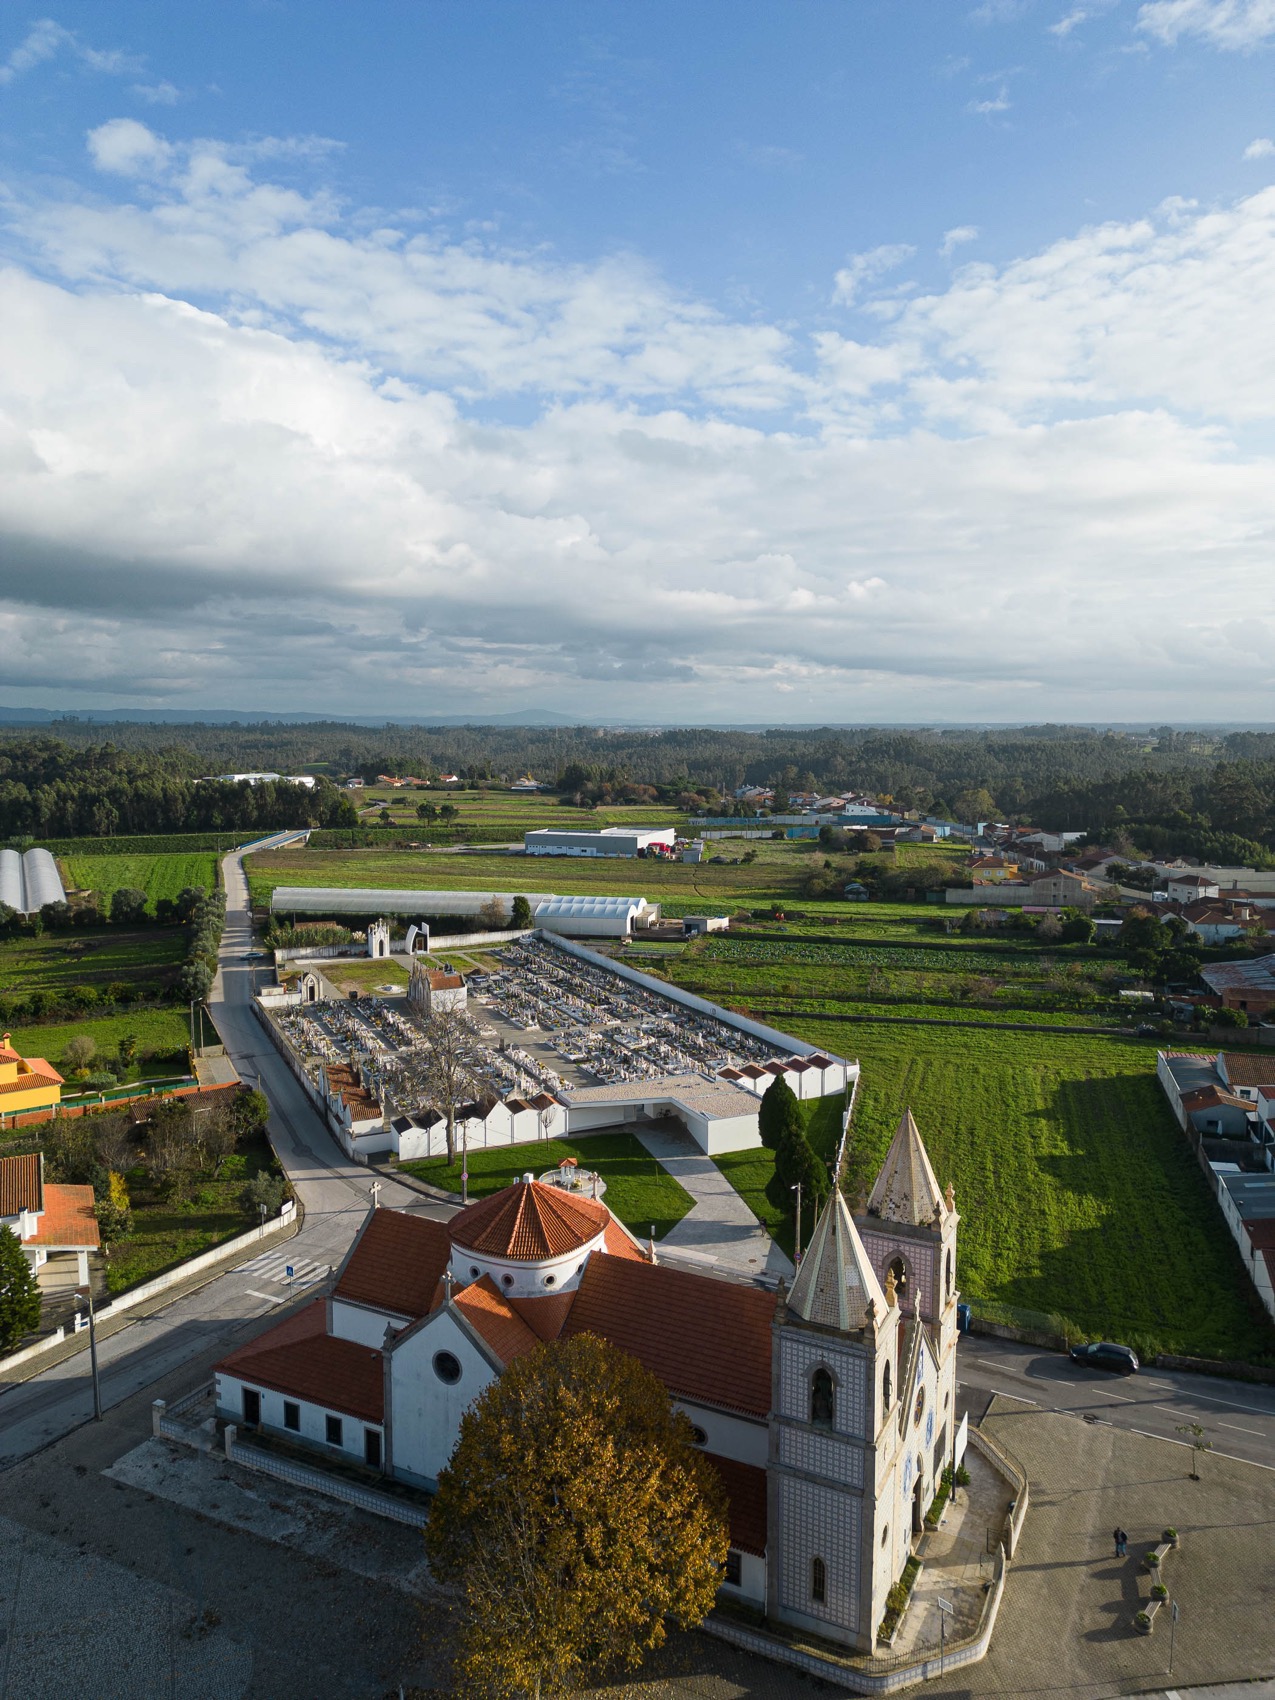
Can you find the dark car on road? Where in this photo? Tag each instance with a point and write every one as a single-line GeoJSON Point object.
{"type": "Point", "coordinates": [1105, 1354]}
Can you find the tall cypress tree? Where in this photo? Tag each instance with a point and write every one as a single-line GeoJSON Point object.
{"type": "Point", "coordinates": [19, 1293]}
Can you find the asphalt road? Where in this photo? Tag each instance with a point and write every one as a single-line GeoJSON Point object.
{"type": "Point", "coordinates": [335, 1194]}
{"type": "Point", "coordinates": [1238, 1417]}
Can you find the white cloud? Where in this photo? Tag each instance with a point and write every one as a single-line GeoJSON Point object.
{"type": "Point", "coordinates": [307, 497]}
{"type": "Point", "coordinates": [1065, 25]}
{"type": "Point", "coordinates": [46, 38]}
{"type": "Point", "coordinates": [157, 94]}
{"type": "Point", "coordinates": [861, 270]}
{"type": "Point", "coordinates": [127, 148]}
{"type": "Point", "coordinates": [999, 102]}
{"type": "Point", "coordinates": [1235, 25]}
{"type": "Point", "coordinates": [956, 238]}
{"type": "Point", "coordinates": [1262, 147]}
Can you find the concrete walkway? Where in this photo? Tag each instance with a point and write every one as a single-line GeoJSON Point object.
{"type": "Point", "coordinates": [721, 1231]}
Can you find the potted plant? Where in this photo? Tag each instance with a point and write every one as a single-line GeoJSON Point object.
{"type": "Point", "coordinates": [1171, 1536]}
{"type": "Point", "coordinates": [1142, 1622]}
{"type": "Point", "coordinates": [1151, 1560]}
{"type": "Point", "coordinates": [1159, 1591]}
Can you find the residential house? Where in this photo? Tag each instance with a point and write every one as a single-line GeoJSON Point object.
{"type": "Point", "coordinates": [26, 1083]}
{"type": "Point", "coordinates": [1189, 888]}
{"type": "Point", "coordinates": [48, 1219]}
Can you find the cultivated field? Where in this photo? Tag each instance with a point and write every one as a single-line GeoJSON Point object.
{"type": "Point", "coordinates": [517, 811]}
{"type": "Point", "coordinates": [55, 961]}
{"type": "Point", "coordinates": [1078, 1194]}
{"type": "Point", "coordinates": [157, 876]}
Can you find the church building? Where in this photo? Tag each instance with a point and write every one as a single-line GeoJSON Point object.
{"type": "Point", "coordinates": [827, 1409]}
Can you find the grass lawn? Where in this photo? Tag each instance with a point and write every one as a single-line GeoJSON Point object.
{"type": "Point", "coordinates": [57, 960]}
{"type": "Point", "coordinates": [1078, 1194]}
{"type": "Point", "coordinates": [162, 1035]}
{"type": "Point", "coordinates": [638, 1190]}
{"type": "Point", "coordinates": [366, 976]}
{"type": "Point", "coordinates": [165, 1234]}
{"type": "Point", "coordinates": [515, 809]}
{"type": "Point", "coordinates": [157, 876]}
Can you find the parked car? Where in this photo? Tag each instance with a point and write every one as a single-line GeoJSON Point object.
{"type": "Point", "coordinates": [1105, 1354]}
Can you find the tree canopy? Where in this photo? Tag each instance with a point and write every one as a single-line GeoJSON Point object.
{"type": "Point", "coordinates": [19, 1293]}
{"type": "Point", "coordinates": [575, 1521]}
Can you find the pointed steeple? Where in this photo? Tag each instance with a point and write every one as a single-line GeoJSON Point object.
{"type": "Point", "coordinates": [836, 1284]}
{"type": "Point", "coordinates": [906, 1190]}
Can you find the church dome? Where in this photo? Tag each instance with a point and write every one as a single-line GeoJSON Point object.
{"type": "Point", "coordinates": [529, 1222]}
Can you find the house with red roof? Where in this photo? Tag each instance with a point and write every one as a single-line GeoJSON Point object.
{"type": "Point", "coordinates": [827, 1409]}
{"type": "Point", "coordinates": [47, 1218]}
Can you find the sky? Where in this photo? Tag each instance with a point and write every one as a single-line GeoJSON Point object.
{"type": "Point", "coordinates": [839, 360]}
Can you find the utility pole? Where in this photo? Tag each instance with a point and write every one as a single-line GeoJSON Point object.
{"type": "Point", "coordinates": [797, 1248]}
{"type": "Point", "coordinates": [464, 1162]}
{"type": "Point", "coordinates": [85, 1295]}
{"type": "Point", "coordinates": [1173, 1623]}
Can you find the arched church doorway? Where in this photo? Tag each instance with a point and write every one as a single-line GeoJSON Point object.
{"type": "Point", "coordinates": [918, 1506]}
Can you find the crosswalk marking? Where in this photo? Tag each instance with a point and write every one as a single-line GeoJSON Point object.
{"type": "Point", "coordinates": [273, 1266]}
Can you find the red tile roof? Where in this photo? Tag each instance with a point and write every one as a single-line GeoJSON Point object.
{"type": "Point", "coordinates": [1248, 1071]}
{"type": "Point", "coordinates": [396, 1263]}
{"type": "Point", "coordinates": [69, 1218]}
{"type": "Point", "coordinates": [619, 1244]}
{"type": "Point", "coordinates": [30, 1082]}
{"type": "Point", "coordinates": [442, 982]}
{"type": "Point", "coordinates": [745, 1486]}
{"type": "Point", "coordinates": [529, 1221]}
{"type": "Point", "coordinates": [544, 1316]}
{"type": "Point", "coordinates": [706, 1339]}
{"type": "Point", "coordinates": [490, 1314]}
{"type": "Point", "coordinates": [20, 1184]}
{"type": "Point", "coordinates": [301, 1359]}
{"type": "Point", "coordinates": [1209, 1097]}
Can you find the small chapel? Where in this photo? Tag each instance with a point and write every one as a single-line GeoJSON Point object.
{"type": "Point", "coordinates": [827, 1408]}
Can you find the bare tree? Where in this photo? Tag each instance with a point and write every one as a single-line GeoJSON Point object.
{"type": "Point", "coordinates": [447, 1075]}
{"type": "Point", "coordinates": [493, 915]}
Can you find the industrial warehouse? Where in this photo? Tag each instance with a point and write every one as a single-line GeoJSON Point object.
{"type": "Point", "coordinates": [558, 1040]}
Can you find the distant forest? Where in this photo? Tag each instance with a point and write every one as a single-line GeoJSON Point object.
{"type": "Point", "coordinates": [1165, 791]}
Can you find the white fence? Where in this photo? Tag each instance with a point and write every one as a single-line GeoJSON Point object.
{"type": "Point", "coordinates": [320, 1481]}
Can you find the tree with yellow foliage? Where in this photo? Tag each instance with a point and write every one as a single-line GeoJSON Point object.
{"type": "Point", "coordinates": [574, 1522]}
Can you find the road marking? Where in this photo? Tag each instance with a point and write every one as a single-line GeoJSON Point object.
{"type": "Point", "coordinates": [253, 1294]}
{"type": "Point", "coordinates": [1233, 1457]}
{"type": "Point", "coordinates": [1171, 1412]}
{"type": "Point", "coordinates": [1014, 1396]}
{"type": "Point", "coordinates": [1231, 1404]}
{"type": "Point", "coordinates": [1164, 1386]}
{"type": "Point", "coordinates": [1123, 1398]}
{"type": "Point", "coordinates": [1240, 1429]}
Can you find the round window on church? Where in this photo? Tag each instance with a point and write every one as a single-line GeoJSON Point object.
{"type": "Point", "coordinates": [551, 1280]}
{"type": "Point", "coordinates": [698, 1435]}
{"type": "Point", "coordinates": [473, 1271]}
{"type": "Point", "coordinates": [919, 1408]}
{"type": "Point", "coordinates": [447, 1367]}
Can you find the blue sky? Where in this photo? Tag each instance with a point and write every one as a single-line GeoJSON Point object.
{"type": "Point", "coordinates": [856, 360]}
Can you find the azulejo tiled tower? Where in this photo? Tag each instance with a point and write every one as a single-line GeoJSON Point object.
{"type": "Point", "coordinates": [864, 1378]}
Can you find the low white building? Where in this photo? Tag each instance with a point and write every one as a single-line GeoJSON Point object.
{"type": "Point", "coordinates": [602, 841]}
{"type": "Point", "coordinates": [434, 991]}
{"type": "Point", "coordinates": [594, 917]}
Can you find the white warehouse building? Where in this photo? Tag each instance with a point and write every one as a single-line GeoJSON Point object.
{"type": "Point", "coordinates": [604, 841]}
{"type": "Point", "coordinates": [594, 917]}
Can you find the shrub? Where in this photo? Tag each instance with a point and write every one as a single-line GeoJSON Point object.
{"type": "Point", "coordinates": [1169, 1535]}
{"type": "Point", "coordinates": [1159, 1591]}
{"type": "Point", "coordinates": [1143, 1619]}
{"type": "Point", "coordinates": [114, 1212]}
{"type": "Point", "coordinates": [1151, 1560]}
{"type": "Point", "coordinates": [79, 1052]}
{"type": "Point", "coordinates": [262, 1189]}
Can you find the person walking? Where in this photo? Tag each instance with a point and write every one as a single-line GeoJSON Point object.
{"type": "Point", "coordinates": [1121, 1539]}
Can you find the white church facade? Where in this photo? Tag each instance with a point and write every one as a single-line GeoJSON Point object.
{"type": "Point", "coordinates": [828, 1410]}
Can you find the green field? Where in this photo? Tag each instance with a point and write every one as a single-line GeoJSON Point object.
{"type": "Point", "coordinates": [55, 961]}
{"type": "Point", "coordinates": [163, 1038]}
{"type": "Point", "coordinates": [1078, 1194]}
{"type": "Point", "coordinates": [774, 877]}
{"type": "Point", "coordinates": [638, 1190]}
{"type": "Point", "coordinates": [157, 876]}
{"type": "Point", "coordinates": [517, 811]}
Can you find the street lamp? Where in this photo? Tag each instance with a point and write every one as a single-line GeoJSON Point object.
{"type": "Point", "coordinates": [84, 1295]}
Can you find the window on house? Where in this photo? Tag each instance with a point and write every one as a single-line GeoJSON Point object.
{"type": "Point", "coordinates": [332, 1430]}
{"type": "Point", "coordinates": [291, 1415]}
{"type": "Point", "coordinates": [822, 1398]}
{"type": "Point", "coordinates": [818, 1580]}
{"type": "Point", "coordinates": [734, 1568]}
